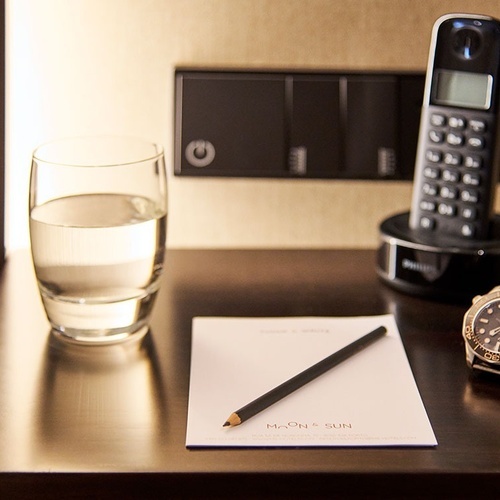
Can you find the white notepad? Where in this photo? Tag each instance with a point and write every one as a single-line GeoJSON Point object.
{"type": "Point", "coordinates": [370, 399]}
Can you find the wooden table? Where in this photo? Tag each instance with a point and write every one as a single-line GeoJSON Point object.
{"type": "Point", "coordinates": [74, 425]}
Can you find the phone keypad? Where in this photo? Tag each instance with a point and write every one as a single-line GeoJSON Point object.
{"type": "Point", "coordinates": [455, 174]}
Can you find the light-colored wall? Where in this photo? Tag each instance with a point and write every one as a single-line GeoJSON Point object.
{"type": "Point", "coordinates": [106, 66]}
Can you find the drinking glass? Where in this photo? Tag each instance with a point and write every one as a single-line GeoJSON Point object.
{"type": "Point", "coordinates": [97, 218]}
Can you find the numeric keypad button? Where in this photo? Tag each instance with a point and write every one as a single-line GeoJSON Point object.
{"type": "Point", "coordinates": [469, 213]}
{"type": "Point", "coordinates": [450, 175]}
{"type": "Point", "coordinates": [475, 142]}
{"type": "Point", "coordinates": [478, 126]}
{"type": "Point", "coordinates": [473, 161]}
{"type": "Point", "coordinates": [430, 189]}
{"type": "Point", "coordinates": [467, 230]}
{"type": "Point", "coordinates": [433, 156]}
{"type": "Point", "coordinates": [454, 159]}
{"type": "Point", "coordinates": [449, 193]}
{"type": "Point", "coordinates": [436, 136]}
{"type": "Point", "coordinates": [427, 223]}
{"type": "Point", "coordinates": [454, 139]}
{"type": "Point", "coordinates": [447, 209]}
{"type": "Point", "coordinates": [471, 179]}
{"type": "Point", "coordinates": [427, 206]}
{"type": "Point", "coordinates": [469, 196]}
{"type": "Point", "coordinates": [431, 172]}
{"type": "Point", "coordinates": [456, 122]}
{"type": "Point", "coordinates": [438, 120]}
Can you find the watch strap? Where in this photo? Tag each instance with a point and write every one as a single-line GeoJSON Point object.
{"type": "Point", "coordinates": [478, 364]}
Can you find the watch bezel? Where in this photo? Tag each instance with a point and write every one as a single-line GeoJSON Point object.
{"type": "Point", "coordinates": [478, 349]}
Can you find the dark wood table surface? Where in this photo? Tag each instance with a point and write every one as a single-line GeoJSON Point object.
{"type": "Point", "coordinates": [111, 423]}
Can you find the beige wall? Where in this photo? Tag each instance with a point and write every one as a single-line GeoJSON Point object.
{"type": "Point", "coordinates": [106, 66]}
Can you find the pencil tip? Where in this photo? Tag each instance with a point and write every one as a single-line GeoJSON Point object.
{"type": "Point", "coordinates": [232, 420]}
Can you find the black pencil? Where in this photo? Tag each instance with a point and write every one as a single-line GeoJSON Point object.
{"type": "Point", "coordinates": [304, 377]}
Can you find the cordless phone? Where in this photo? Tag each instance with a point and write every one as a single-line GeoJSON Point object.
{"type": "Point", "coordinates": [456, 167]}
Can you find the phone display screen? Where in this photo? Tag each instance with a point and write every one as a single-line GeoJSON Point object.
{"type": "Point", "coordinates": [463, 89]}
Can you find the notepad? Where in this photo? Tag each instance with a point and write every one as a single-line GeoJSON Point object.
{"type": "Point", "coordinates": [371, 399]}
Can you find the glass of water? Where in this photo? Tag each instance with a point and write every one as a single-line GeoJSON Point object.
{"type": "Point", "coordinates": [98, 216]}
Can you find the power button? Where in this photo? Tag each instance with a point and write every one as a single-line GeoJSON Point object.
{"type": "Point", "coordinates": [200, 153]}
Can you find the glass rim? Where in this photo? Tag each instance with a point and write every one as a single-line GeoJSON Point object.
{"type": "Point", "coordinates": [129, 150]}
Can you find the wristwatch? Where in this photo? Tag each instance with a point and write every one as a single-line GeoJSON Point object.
{"type": "Point", "coordinates": [481, 332]}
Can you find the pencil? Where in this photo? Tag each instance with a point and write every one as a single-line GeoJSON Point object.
{"type": "Point", "coordinates": [301, 379]}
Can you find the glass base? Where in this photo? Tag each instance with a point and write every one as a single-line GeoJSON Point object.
{"type": "Point", "coordinates": [98, 323]}
{"type": "Point", "coordinates": [101, 337]}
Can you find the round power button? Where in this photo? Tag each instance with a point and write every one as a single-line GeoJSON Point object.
{"type": "Point", "coordinates": [200, 153]}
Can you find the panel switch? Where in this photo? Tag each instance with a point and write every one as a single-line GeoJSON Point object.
{"type": "Point", "coordinates": [230, 124]}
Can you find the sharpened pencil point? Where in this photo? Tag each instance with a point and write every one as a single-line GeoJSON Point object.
{"type": "Point", "coordinates": [232, 420]}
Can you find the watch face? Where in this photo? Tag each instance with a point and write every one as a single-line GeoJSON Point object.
{"type": "Point", "coordinates": [482, 328]}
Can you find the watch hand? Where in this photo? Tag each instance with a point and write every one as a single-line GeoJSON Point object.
{"type": "Point", "coordinates": [494, 331]}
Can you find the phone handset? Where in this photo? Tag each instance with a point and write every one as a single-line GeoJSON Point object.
{"type": "Point", "coordinates": [456, 167]}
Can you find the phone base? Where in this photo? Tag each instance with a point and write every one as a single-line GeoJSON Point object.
{"type": "Point", "coordinates": [439, 268]}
